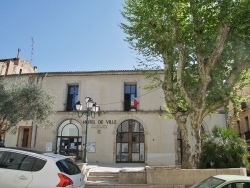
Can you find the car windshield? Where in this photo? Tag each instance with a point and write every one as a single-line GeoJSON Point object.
{"type": "Point", "coordinates": [210, 182]}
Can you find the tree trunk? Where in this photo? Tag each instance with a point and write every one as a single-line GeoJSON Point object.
{"type": "Point", "coordinates": [1, 127]}
{"type": "Point", "coordinates": [191, 141]}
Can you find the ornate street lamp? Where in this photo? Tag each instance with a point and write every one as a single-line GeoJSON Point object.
{"type": "Point", "coordinates": [91, 109]}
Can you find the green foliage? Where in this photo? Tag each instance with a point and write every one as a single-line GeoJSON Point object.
{"type": "Point", "coordinates": [24, 100]}
{"type": "Point", "coordinates": [223, 148]}
{"type": "Point", "coordinates": [159, 30]}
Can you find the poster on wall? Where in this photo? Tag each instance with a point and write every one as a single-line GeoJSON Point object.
{"type": "Point", "coordinates": [48, 146]}
{"type": "Point", "coordinates": [91, 147]}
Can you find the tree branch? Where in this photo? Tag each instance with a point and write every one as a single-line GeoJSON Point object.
{"type": "Point", "coordinates": [168, 84]}
{"type": "Point", "coordinates": [219, 46]}
{"type": "Point", "coordinates": [206, 66]}
{"type": "Point", "coordinates": [180, 70]}
{"type": "Point", "coordinates": [229, 83]}
{"type": "Point", "coordinates": [237, 69]}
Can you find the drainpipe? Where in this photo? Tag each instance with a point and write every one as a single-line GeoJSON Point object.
{"type": "Point", "coordinates": [35, 127]}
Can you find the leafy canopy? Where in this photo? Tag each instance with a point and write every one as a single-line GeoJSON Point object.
{"type": "Point", "coordinates": [203, 46]}
{"type": "Point", "coordinates": [24, 100]}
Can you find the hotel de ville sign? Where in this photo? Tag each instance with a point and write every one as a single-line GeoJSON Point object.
{"type": "Point", "coordinates": [100, 123]}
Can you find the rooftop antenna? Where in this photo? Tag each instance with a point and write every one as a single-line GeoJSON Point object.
{"type": "Point", "coordinates": [32, 49]}
{"type": "Point", "coordinates": [18, 52]}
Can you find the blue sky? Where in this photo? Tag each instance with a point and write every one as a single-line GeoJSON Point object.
{"type": "Point", "coordinates": [69, 35]}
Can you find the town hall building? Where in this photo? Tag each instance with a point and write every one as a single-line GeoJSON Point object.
{"type": "Point", "coordinates": [130, 127]}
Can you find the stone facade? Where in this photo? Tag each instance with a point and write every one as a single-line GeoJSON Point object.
{"type": "Point", "coordinates": [241, 122]}
{"type": "Point", "coordinates": [121, 132]}
{"type": "Point", "coordinates": [15, 66]}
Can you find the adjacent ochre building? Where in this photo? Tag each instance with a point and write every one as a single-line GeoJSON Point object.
{"type": "Point", "coordinates": [129, 128]}
{"type": "Point", "coordinates": [15, 66]}
{"type": "Point", "coordinates": [240, 121]}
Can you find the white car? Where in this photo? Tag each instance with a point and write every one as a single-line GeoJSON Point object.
{"type": "Point", "coordinates": [21, 168]}
{"type": "Point", "coordinates": [224, 181]}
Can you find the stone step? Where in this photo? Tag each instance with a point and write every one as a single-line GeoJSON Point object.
{"type": "Point", "coordinates": [104, 174]}
{"type": "Point", "coordinates": [103, 177]}
{"type": "Point", "coordinates": [112, 185]}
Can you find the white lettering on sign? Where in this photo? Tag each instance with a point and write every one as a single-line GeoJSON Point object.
{"type": "Point", "coordinates": [99, 122]}
{"type": "Point", "coordinates": [111, 121]}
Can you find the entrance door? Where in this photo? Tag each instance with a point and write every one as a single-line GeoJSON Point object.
{"type": "Point", "coordinates": [25, 138]}
{"type": "Point", "coordinates": [130, 142]}
{"type": "Point", "coordinates": [69, 142]}
{"type": "Point", "coordinates": [70, 145]}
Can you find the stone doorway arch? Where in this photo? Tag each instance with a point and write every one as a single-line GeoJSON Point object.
{"type": "Point", "coordinates": [69, 138]}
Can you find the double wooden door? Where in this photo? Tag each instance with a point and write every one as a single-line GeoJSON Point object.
{"type": "Point", "coordinates": [130, 142]}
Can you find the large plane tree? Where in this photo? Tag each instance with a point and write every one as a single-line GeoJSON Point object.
{"type": "Point", "coordinates": [203, 47]}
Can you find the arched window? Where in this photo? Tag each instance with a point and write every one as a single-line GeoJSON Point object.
{"type": "Point", "coordinates": [130, 142]}
{"type": "Point", "coordinates": [69, 140]}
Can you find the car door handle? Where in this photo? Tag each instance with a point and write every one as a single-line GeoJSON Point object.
{"type": "Point", "coordinates": [22, 177]}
